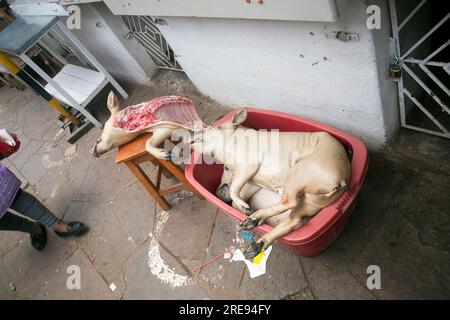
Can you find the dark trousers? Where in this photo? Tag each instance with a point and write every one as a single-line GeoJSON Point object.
{"type": "Point", "coordinates": [27, 205]}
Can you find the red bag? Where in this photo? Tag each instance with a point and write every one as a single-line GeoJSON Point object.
{"type": "Point", "coordinates": [6, 150]}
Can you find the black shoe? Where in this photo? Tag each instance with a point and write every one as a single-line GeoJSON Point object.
{"type": "Point", "coordinates": [74, 228]}
{"type": "Point", "coordinates": [38, 241]}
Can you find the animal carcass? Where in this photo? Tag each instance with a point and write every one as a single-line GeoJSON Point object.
{"type": "Point", "coordinates": [309, 170]}
{"type": "Point", "coordinates": [161, 116]}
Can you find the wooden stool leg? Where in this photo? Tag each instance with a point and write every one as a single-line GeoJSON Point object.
{"type": "Point", "coordinates": [165, 172]}
{"type": "Point", "coordinates": [179, 174]}
{"type": "Point", "coordinates": [148, 184]}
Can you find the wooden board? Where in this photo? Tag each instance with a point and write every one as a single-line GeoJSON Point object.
{"type": "Point", "coordinates": [81, 83]}
{"type": "Point", "coordinates": [133, 149]}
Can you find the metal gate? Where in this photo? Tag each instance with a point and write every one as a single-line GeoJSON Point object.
{"type": "Point", "coordinates": [144, 29]}
{"type": "Point", "coordinates": [420, 32]}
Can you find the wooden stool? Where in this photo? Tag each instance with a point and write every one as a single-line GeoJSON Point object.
{"type": "Point", "coordinates": [134, 153]}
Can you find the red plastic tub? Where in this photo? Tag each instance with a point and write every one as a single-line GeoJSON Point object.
{"type": "Point", "coordinates": [319, 232]}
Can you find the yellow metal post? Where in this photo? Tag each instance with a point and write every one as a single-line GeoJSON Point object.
{"type": "Point", "coordinates": [15, 69]}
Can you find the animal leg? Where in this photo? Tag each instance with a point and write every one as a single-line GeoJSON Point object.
{"type": "Point", "coordinates": [284, 227]}
{"type": "Point", "coordinates": [242, 176]}
{"type": "Point", "coordinates": [261, 215]}
{"type": "Point", "coordinates": [287, 225]}
{"type": "Point", "coordinates": [288, 202]}
{"type": "Point", "coordinates": [307, 206]}
{"type": "Point", "coordinates": [223, 191]}
{"type": "Point", "coordinates": [293, 186]}
{"type": "Point", "coordinates": [246, 193]}
{"type": "Point", "coordinates": [152, 144]}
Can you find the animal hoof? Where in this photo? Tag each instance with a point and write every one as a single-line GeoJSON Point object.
{"type": "Point", "coordinates": [249, 224]}
{"type": "Point", "coordinates": [253, 250]}
{"type": "Point", "coordinates": [168, 156]}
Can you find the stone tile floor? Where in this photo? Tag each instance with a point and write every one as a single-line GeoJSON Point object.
{"type": "Point", "coordinates": [401, 223]}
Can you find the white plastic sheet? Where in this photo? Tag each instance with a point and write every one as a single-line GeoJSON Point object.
{"type": "Point", "coordinates": [257, 266]}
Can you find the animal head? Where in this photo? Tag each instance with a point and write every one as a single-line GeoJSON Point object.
{"type": "Point", "coordinates": [212, 138]}
{"type": "Point", "coordinates": [111, 137]}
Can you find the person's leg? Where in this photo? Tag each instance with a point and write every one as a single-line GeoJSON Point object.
{"type": "Point", "coordinates": [27, 205]}
{"type": "Point", "coordinates": [12, 222]}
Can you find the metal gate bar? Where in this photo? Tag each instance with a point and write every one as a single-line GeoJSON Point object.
{"type": "Point", "coordinates": [429, 33]}
{"type": "Point", "coordinates": [144, 29]}
{"type": "Point", "coordinates": [406, 58]}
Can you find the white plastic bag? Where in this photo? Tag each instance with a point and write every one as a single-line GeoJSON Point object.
{"type": "Point", "coordinates": [256, 268]}
{"type": "Point", "coordinates": [7, 137]}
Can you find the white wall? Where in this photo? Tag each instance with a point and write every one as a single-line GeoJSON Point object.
{"type": "Point", "coordinates": [103, 35]}
{"type": "Point", "coordinates": [296, 10]}
{"type": "Point", "coordinates": [388, 89]}
{"type": "Point", "coordinates": [293, 67]}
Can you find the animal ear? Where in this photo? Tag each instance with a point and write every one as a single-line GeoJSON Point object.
{"type": "Point", "coordinates": [240, 116]}
{"type": "Point", "coordinates": [113, 102]}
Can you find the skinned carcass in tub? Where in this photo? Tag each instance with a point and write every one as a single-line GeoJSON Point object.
{"type": "Point", "coordinates": [308, 170]}
{"type": "Point", "coordinates": [160, 116]}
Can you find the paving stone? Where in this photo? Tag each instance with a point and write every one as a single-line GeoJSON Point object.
{"type": "Point", "coordinates": [422, 203]}
{"type": "Point", "coordinates": [412, 247]}
{"type": "Point", "coordinates": [303, 294]}
{"type": "Point", "coordinates": [50, 183]}
{"type": "Point", "coordinates": [36, 128]}
{"type": "Point", "coordinates": [142, 284]}
{"type": "Point", "coordinates": [77, 167]}
{"type": "Point", "coordinates": [187, 232]}
{"type": "Point", "coordinates": [87, 142]}
{"type": "Point", "coordinates": [6, 284]}
{"type": "Point", "coordinates": [29, 269]}
{"type": "Point", "coordinates": [284, 276]}
{"type": "Point", "coordinates": [222, 274]}
{"type": "Point", "coordinates": [33, 126]}
{"type": "Point", "coordinates": [55, 132]}
{"type": "Point", "coordinates": [330, 282]}
{"type": "Point", "coordinates": [136, 209]}
{"type": "Point", "coordinates": [408, 270]}
{"type": "Point", "coordinates": [421, 148]}
{"type": "Point", "coordinates": [92, 286]}
{"type": "Point", "coordinates": [107, 244]}
{"type": "Point", "coordinates": [8, 118]}
{"type": "Point", "coordinates": [25, 152]}
{"type": "Point", "coordinates": [11, 100]}
{"type": "Point", "coordinates": [53, 151]}
{"type": "Point", "coordinates": [93, 214]}
{"type": "Point", "coordinates": [34, 168]}
{"type": "Point", "coordinates": [374, 199]}
{"type": "Point", "coordinates": [104, 179]}
{"type": "Point", "coordinates": [59, 201]}
{"type": "Point", "coordinates": [120, 285]}
{"type": "Point", "coordinates": [9, 240]}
